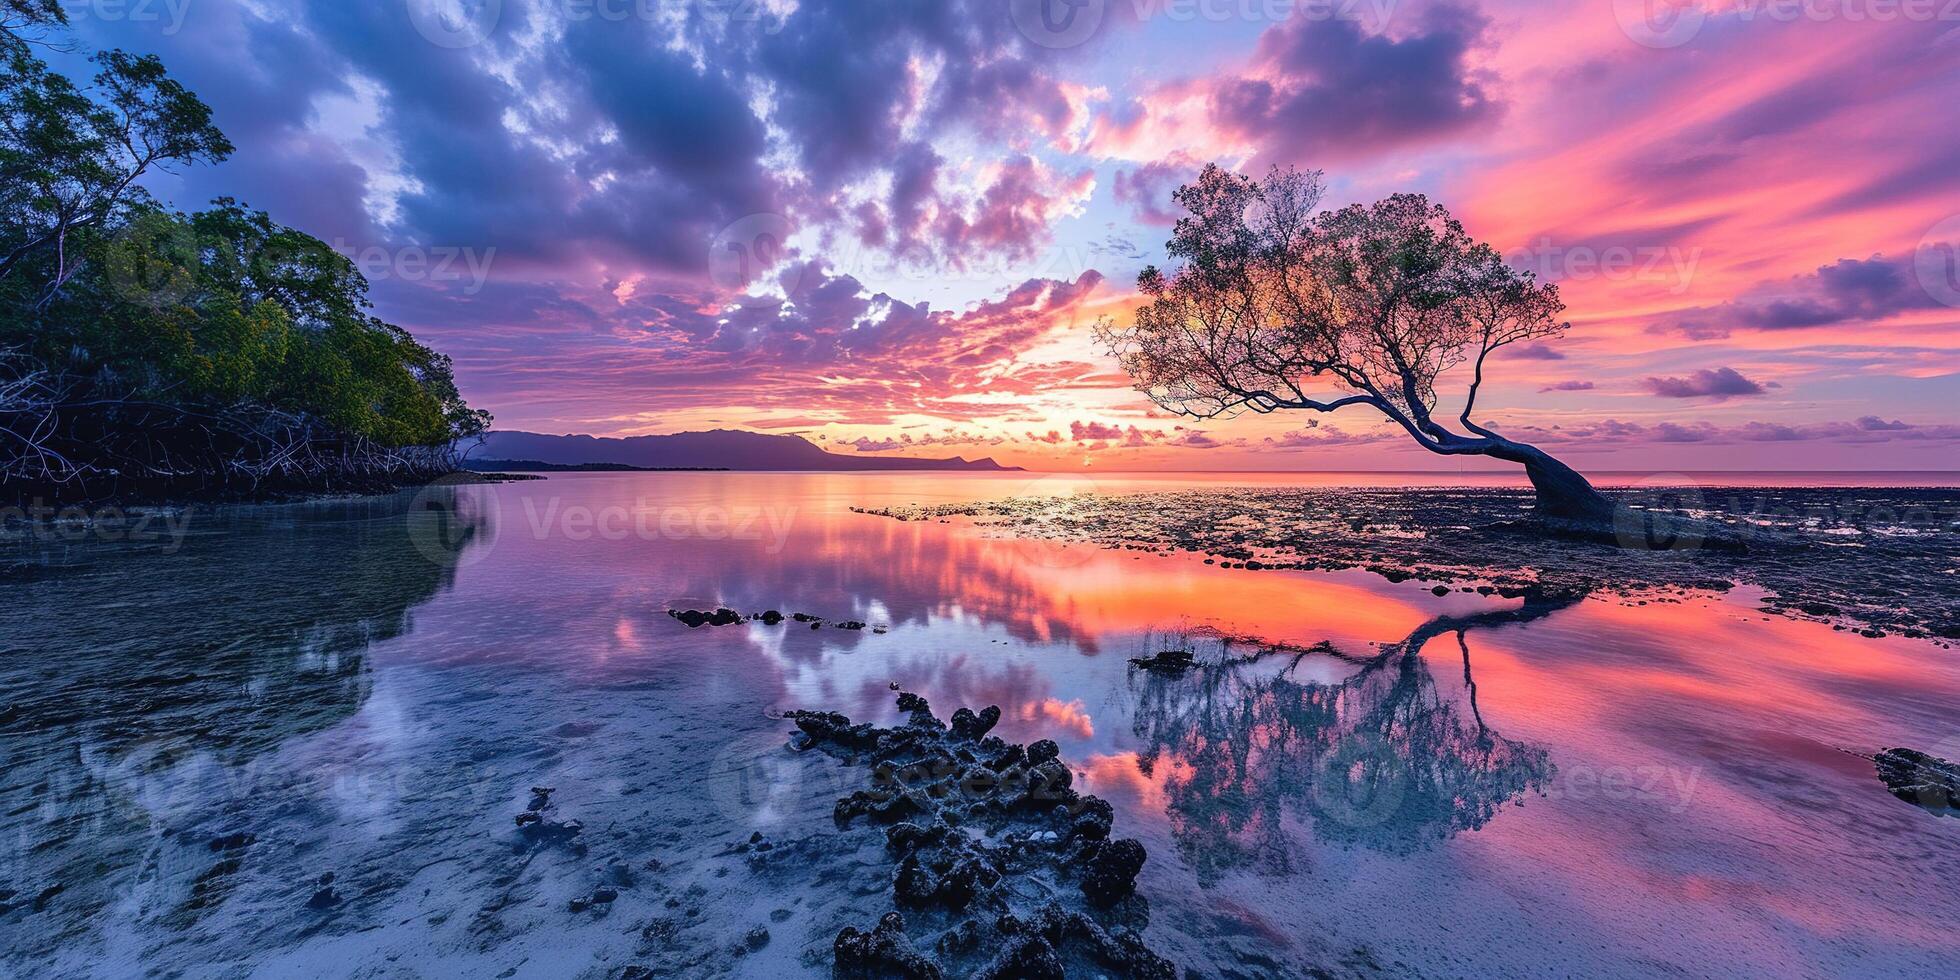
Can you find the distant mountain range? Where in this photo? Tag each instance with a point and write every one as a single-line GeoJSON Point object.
{"type": "Point", "coordinates": [730, 449]}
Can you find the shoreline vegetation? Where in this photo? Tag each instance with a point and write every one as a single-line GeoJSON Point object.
{"type": "Point", "coordinates": [148, 354]}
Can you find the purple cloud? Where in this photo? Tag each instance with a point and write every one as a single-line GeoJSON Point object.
{"type": "Point", "coordinates": [1147, 189]}
{"type": "Point", "coordinates": [1323, 88]}
{"type": "Point", "coordinates": [1534, 352]}
{"type": "Point", "coordinates": [1717, 383]}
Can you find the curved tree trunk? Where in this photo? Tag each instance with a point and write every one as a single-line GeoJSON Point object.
{"type": "Point", "coordinates": [1562, 491]}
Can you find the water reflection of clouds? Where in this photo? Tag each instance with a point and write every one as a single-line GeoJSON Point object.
{"type": "Point", "coordinates": [183, 680]}
{"type": "Point", "coordinates": [554, 660]}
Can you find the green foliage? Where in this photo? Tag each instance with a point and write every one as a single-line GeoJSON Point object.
{"type": "Point", "coordinates": [70, 159]}
{"type": "Point", "coordinates": [223, 309]}
{"type": "Point", "coordinates": [21, 21]}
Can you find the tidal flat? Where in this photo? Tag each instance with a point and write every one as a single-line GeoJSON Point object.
{"type": "Point", "coordinates": [464, 732]}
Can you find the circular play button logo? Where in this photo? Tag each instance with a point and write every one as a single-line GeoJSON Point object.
{"type": "Point", "coordinates": [1057, 23]}
{"type": "Point", "coordinates": [1660, 23]}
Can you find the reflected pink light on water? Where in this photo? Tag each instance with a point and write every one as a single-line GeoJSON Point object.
{"type": "Point", "coordinates": [1752, 831]}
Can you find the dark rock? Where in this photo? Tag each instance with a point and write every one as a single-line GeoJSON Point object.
{"type": "Point", "coordinates": [757, 938]}
{"type": "Point", "coordinates": [1112, 871]}
{"type": "Point", "coordinates": [1008, 757]}
{"type": "Point", "coordinates": [1093, 819]}
{"type": "Point", "coordinates": [883, 952]}
{"type": "Point", "coordinates": [973, 727]}
{"type": "Point", "coordinates": [600, 900]}
{"type": "Point", "coordinates": [695, 618]}
{"type": "Point", "coordinates": [883, 807]}
{"type": "Point", "coordinates": [829, 727]}
{"type": "Point", "coordinates": [771, 618]}
{"type": "Point", "coordinates": [535, 830]}
{"type": "Point", "coordinates": [970, 820]}
{"type": "Point", "coordinates": [1028, 957]}
{"type": "Point", "coordinates": [325, 897]}
{"type": "Point", "coordinates": [1172, 662]}
{"type": "Point", "coordinates": [961, 939]}
{"type": "Point", "coordinates": [232, 842]}
{"type": "Point", "coordinates": [1923, 780]}
{"type": "Point", "coordinates": [1049, 783]}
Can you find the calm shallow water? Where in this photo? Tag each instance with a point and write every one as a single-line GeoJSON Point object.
{"type": "Point", "coordinates": [195, 734]}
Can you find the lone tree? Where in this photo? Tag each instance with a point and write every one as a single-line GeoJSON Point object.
{"type": "Point", "coordinates": [1277, 307]}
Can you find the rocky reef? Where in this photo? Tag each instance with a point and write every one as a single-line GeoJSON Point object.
{"type": "Point", "coordinates": [723, 616]}
{"type": "Point", "coordinates": [1858, 558]}
{"type": "Point", "coordinates": [1001, 869]}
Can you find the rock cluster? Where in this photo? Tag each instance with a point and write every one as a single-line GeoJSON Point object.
{"type": "Point", "coordinates": [535, 829]}
{"type": "Point", "coordinates": [722, 616]}
{"type": "Point", "coordinates": [1667, 543]}
{"type": "Point", "coordinates": [696, 618]}
{"type": "Point", "coordinates": [1921, 779]}
{"type": "Point", "coordinates": [975, 826]}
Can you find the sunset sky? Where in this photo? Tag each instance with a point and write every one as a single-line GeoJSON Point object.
{"type": "Point", "coordinates": [1752, 209]}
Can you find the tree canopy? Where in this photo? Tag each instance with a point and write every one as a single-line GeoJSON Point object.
{"type": "Point", "coordinates": [107, 298]}
{"type": "Point", "coordinates": [1275, 305]}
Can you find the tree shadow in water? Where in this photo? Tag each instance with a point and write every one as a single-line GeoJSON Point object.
{"type": "Point", "coordinates": [144, 686]}
{"type": "Point", "coordinates": [1379, 756]}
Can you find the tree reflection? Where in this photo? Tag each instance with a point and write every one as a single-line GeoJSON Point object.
{"type": "Point", "coordinates": [1374, 753]}
{"type": "Point", "coordinates": [140, 681]}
